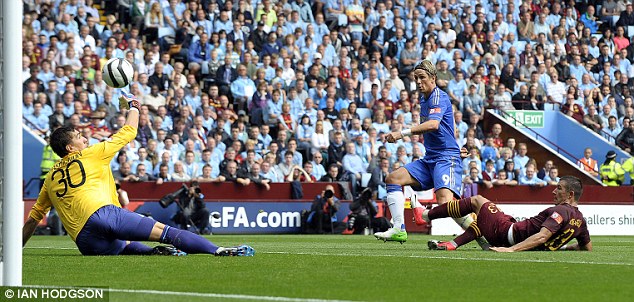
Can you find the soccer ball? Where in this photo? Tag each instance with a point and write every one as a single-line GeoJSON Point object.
{"type": "Point", "coordinates": [117, 73]}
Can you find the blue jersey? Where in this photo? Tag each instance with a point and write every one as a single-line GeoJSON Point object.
{"type": "Point", "coordinates": [441, 142]}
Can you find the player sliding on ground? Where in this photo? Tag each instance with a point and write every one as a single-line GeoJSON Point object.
{"type": "Point", "coordinates": [550, 230]}
{"type": "Point", "coordinates": [441, 167]}
{"type": "Point", "coordinates": [81, 187]}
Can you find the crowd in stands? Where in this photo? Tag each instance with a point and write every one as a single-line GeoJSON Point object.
{"type": "Point", "coordinates": [274, 91]}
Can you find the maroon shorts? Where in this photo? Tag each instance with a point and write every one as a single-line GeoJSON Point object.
{"type": "Point", "coordinates": [494, 224]}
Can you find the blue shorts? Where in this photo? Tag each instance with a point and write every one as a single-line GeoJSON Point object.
{"type": "Point", "coordinates": [108, 229]}
{"type": "Point", "coordinates": [437, 173]}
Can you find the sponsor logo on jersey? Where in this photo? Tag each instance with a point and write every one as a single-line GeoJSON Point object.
{"type": "Point", "coordinates": [557, 217]}
{"type": "Point", "coordinates": [435, 110]}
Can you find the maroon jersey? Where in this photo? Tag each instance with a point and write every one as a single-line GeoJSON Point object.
{"type": "Point", "coordinates": [564, 221]}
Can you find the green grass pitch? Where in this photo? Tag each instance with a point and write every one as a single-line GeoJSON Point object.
{"type": "Point", "coordinates": [352, 268]}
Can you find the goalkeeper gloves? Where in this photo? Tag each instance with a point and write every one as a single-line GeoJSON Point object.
{"type": "Point", "coordinates": [128, 100]}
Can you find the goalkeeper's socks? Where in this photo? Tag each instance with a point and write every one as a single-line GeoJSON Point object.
{"type": "Point", "coordinates": [187, 241]}
{"type": "Point", "coordinates": [136, 248]}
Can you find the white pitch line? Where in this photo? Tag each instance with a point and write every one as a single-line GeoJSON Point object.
{"type": "Point", "coordinates": [420, 257]}
{"type": "Point", "coordinates": [192, 294]}
{"type": "Point", "coordinates": [50, 248]}
{"type": "Point", "coordinates": [459, 258]}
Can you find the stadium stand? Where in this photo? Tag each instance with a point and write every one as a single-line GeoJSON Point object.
{"type": "Point", "coordinates": [229, 76]}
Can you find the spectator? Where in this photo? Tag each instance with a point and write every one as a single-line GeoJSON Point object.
{"type": "Point", "coordinates": [612, 130]}
{"type": "Point", "coordinates": [489, 151]}
{"type": "Point", "coordinates": [592, 120]}
{"type": "Point", "coordinates": [553, 176]}
{"type": "Point", "coordinates": [489, 173]}
{"type": "Point", "coordinates": [460, 124]}
{"type": "Point", "coordinates": [336, 149]}
{"type": "Point", "coordinates": [511, 172]}
{"type": "Point", "coordinates": [319, 140]}
{"type": "Point", "coordinates": [305, 131]}
{"type": "Point", "coordinates": [572, 109]}
{"type": "Point", "coordinates": [39, 122]}
{"type": "Point", "coordinates": [474, 124]}
{"type": "Point", "coordinates": [352, 162]}
{"type": "Point", "coordinates": [242, 87]}
{"type": "Point", "coordinates": [590, 20]}
{"type": "Point", "coordinates": [521, 159]}
{"type": "Point", "coordinates": [503, 180]}
{"type": "Point", "coordinates": [332, 175]}
{"type": "Point", "coordinates": [626, 18]}
{"type": "Point", "coordinates": [474, 178]}
{"type": "Point", "coordinates": [301, 175]}
{"type": "Point", "coordinates": [474, 156]}
{"type": "Point", "coordinates": [255, 177]}
{"type": "Point", "coordinates": [142, 175]}
{"type": "Point", "coordinates": [625, 139]}
{"type": "Point", "coordinates": [556, 92]}
{"type": "Point", "coordinates": [496, 131]}
{"type": "Point", "coordinates": [179, 173]}
{"type": "Point", "coordinates": [231, 174]}
{"type": "Point", "coordinates": [552, 41]}
{"type": "Point", "coordinates": [125, 173]}
{"type": "Point", "coordinates": [543, 172]}
{"type": "Point", "coordinates": [163, 174]}
{"type": "Point", "coordinates": [530, 178]}
{"type": "Point", "coordinates": [269, 172]}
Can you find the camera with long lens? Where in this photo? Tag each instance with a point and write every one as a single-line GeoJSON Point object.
{"type": "Point", "coordinates": [329, 194]}
{"type": "Point", "coordinates": [168, 199]}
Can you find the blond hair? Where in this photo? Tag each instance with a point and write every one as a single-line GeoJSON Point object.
{"type": "Point", "coordinates": [428, 67]}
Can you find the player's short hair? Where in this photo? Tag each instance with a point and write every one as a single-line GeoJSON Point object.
{"type": "Point", "coordinates": [428, 67]}
{"type": "Point", "coordinates": [61, 138]}
{"type": "Point", "coordinates": [572, 184]}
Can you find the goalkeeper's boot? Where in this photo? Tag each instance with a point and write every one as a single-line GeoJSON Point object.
{"type": "Point", "coordinates": [393, 234]}
{"type": "Point", "coordinates": [440, 245]}
{"type": "Point", "coordinates": [243, 250]}
{"type": "Point", "coordinates": [418, 211]}
{"type": "Point", "coordinates": [167, 251]}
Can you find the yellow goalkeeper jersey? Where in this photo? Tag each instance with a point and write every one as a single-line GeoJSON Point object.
{"type": "Point", "coordinates": [81, 183]}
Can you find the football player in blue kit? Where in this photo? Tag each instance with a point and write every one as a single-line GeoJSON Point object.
{"type": "Point", "coordinates": [440, 169]}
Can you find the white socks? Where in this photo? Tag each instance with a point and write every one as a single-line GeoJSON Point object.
{"type": "Point", "coordinates": [396, 203]}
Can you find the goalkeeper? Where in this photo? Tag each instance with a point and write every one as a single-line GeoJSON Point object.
{"type": "Point", "coordinates": [81, 187]}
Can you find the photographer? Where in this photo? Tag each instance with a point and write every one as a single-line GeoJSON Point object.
{"type": "Point", "coordinates": [192, 210]}
{"type": "Point", "coordinates": [363, 215]}
{"type": "Point", "coordinates": [322, 217]}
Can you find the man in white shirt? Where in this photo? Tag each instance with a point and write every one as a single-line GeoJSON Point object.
{"type": "Point", "coordinates": [372, 79]}
{"type": "Point", "coordinates": [556, 91]}
{"type": "Point", "coordinates": [447, 34]}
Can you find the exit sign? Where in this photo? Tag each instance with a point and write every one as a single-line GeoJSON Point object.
{"type": "Point", "coordinates": [526, 118]}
